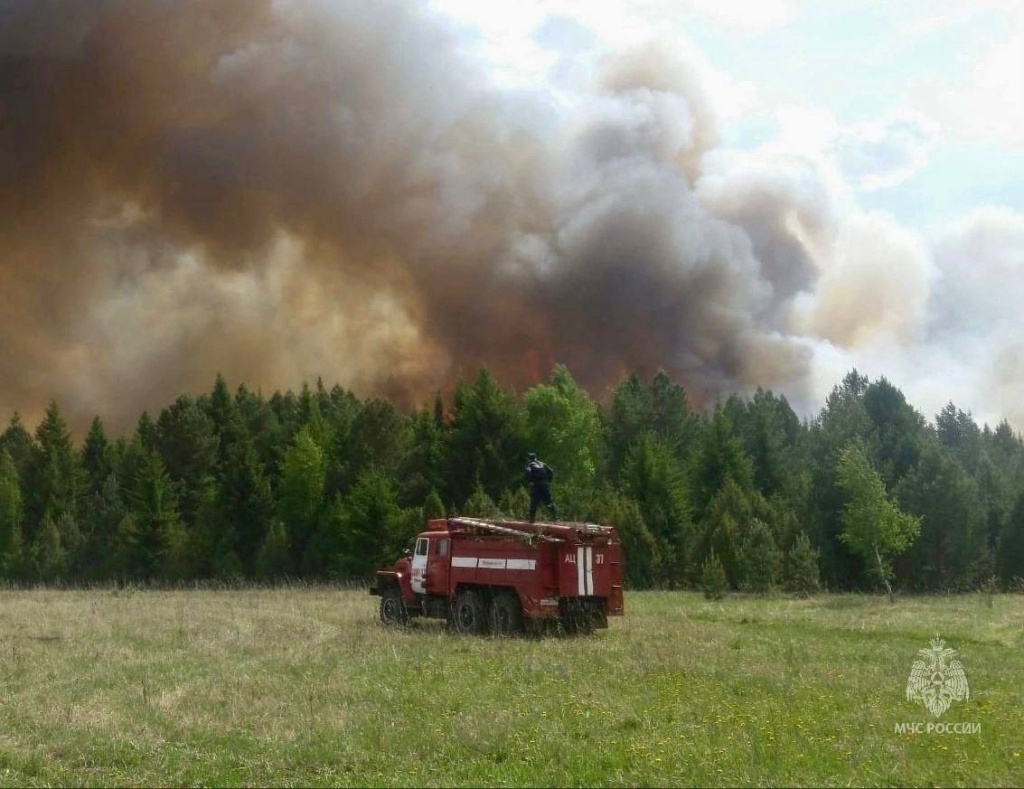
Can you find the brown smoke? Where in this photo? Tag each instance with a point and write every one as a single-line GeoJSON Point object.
{"type": "Point", "coordinates": [280, 191]}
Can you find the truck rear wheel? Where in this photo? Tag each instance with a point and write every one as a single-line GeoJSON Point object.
{"type": "Point", "coordinates": [506, 614]}
{"type": "Point", "coordinates": [468, 614]}
{"type": "Point", "coordinates": [392, 609]}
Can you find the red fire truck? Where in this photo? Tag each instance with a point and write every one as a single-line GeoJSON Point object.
{"type": "Point", "coordinates": [506, 576]}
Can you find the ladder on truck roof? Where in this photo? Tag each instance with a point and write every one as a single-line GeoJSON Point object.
{"type": "Point", "coordinates": [525, 531]}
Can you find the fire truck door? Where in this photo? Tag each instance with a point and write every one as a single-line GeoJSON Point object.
{"type": "Point", "coordinates": [436, 578]}
{"type": "Point", "coordinates": [419, 565]}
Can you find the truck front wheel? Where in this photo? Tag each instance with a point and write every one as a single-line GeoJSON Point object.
{"type": "Point", "coordinates": [392, 609]}
{"type": "Point", "coordinates": [468, 613]}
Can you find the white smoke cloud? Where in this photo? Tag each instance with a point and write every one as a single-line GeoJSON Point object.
{"type": "Point", "coordinates": [873, 288]}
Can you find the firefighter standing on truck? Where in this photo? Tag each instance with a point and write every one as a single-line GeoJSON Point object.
{"type": "Point", "coordinates": [539, 475]}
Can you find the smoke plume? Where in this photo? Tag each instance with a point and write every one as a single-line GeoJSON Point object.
{"type": "Point", "coordinates": [280, 190]}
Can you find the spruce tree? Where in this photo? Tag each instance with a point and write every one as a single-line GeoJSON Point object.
{"type": "Point", "coordinates": [102, 513]}
{"type": "Point", "coordinates": [274, 560]}
{"type": "Point", "coordinates": [161, 540]}
{"type": "Point", "coordinates": [10, 517]}
{"type": "Point", "coordinates": [245, 503]}
{"type": "Point", "coordinates": [300, 494]}
{"type": "Point", "coordinates": [47, 554]}
{"type": "Point", "coordinates": [56, 479]}
{"type": "Point", "coordinates": [801, 569]}
{"type": "Point", "coordinates": [1010, 552]}
{"type": "Point", "coordinates": [713, 582]}
{"type": "Point", "coordinates": [19, 444]}
{"type": "Point", "coordinates": [642, 568]}
{"type": "Point", "coordinates": [760, 562]}
{"type": "Point", "coordinates": [97, 459]}
{"type": "Point", "coordinates": [433, 507]}
{"type": "Point", "coordinates": [480, 505]}
{"type": "Point", "coordinates": [653, 477]}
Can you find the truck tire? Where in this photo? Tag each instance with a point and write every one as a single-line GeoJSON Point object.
{"type": "Point", "coordinates": [468, 613]}
{"type": "Point", "coordinates": [392, 610]}
{"type": "Point", "coordinates": [506, 614]}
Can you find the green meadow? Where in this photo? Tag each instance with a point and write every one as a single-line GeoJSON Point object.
{"type": "Point", "coordinates": [301, 686]}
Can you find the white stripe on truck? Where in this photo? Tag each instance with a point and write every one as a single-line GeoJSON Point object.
{"type": "Point", "coordinates": [588, 576]}
{"type": "Point", "coordinates": [581, 588]}
{"type": "Point", "coordinates": [485, 563]}
{"type": "Point", "coordinates": [584, 570]}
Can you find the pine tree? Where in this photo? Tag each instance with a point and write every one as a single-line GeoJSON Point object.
{"type": "Point", "coordinates": [713, 582]}
{"type": "Point", "coordinates": [145, 432]}
{"type": "Point", "coordinates": [177, 561]}
{"type": "Point", "coordinates": [161, 540]}
{"type": "Point", "coordinates": [802, 573]}
{"type": "Point", "coordinates": [671, 418]}
{"type": "Point", "coordinates": [56, 480]}
{"type": "Point", "coordinates": [842, 420]}
{"type": "Point", "coordinates": [1010, 553]}
{"type": "Point", "coordinates": [10, 517]}
{"type": "Point", "coordinates": [300, 494]}
{"type": "Point", "coordinates": [311, 418]}
{"type": "Point", "coordinates": [19, 444]}
{"type": "Point", "coordinates": [433, 507]}
{"type": "Point", "coordinates": [187, 444]}
{"type": "Point", "coordinates": [274, 559]}
{"type": "Point", "coordinates": [102, 514]}
{"type": "Point", "coordinates": [486, 443]}
{"type": "Point", "coordinates": [379, 438]}
{"type": "Point", "coordinates": [245, 503]}
{"type": "Point", "coordinates": [942, 494]}
{"type": "Point", "coordinates": [123, 557]}
{"type": "Point", "coordinates": [423, 469]}
{"type": "Point", "coordinates": [97, 456]}
{"type": "Point", "coordinates": [628, 418]}
{"type": "Point", "coordinates": [480, 505]}
{"type": "Point", "coordinates": [654, 479]}
{"type": "Point", "coordinates": [760, 562]}
{"type": "Point", "coordinates": [727, 519]}
{"type": "Point", "coordinates": [721, 457]}
{"type": "Point", "coordinates": [515, 504]}
{"type": "Point", "coordinates": [47, 554]}
{"type": "Point", "coordinates": [372, 528]}
{"type": "Point", "coordinates": [643, 566]}
{"type": "Point", "coordinates": [73, 543]}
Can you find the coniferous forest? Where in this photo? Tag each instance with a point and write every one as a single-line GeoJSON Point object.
{"type": "Point", "coordinates": [319, 484]}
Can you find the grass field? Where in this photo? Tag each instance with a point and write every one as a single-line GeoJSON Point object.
{"type": "Point", "coordinates": [301, 686]}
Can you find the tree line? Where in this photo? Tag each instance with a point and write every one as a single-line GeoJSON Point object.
{"type": "Point", "coordinates": [320, 484]}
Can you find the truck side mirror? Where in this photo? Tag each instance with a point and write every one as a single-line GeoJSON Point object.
{"type": "Point", "coordinates": [407, 552]}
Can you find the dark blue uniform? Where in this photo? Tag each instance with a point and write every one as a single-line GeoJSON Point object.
{"type": "Point", "coordinates": [539, 476]}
